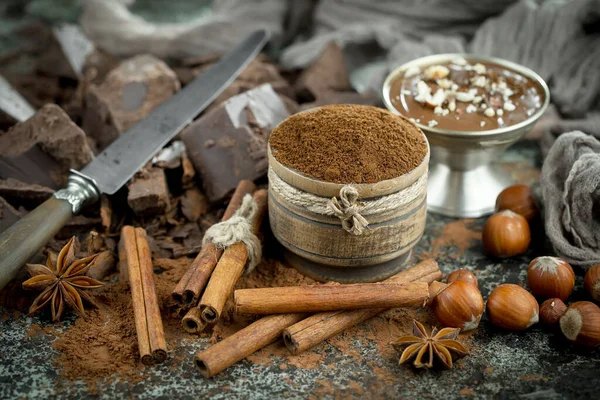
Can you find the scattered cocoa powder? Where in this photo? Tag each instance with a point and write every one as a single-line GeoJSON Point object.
{"type": "Point", "coordinates": [348, 144]}
{"type": "Point", "coordinates": [102, 345]}
{"type": "Point", "coordinates": [460, 235]}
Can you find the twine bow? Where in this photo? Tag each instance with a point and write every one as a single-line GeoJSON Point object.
{"type": "Point", "coordinates": [349, 210]}
{"type": "Point", "coordinates": [238, 229]}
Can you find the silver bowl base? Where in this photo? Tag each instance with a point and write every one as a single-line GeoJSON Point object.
{"type": "Point", "coordinates": [465, 194]}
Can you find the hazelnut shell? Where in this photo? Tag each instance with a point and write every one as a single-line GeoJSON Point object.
{"type": "Point", "coordinates": [459, 305]}
{"type": "Point", "coordinates": [581, 323]}
{"type": "Point", "coordinates": [462, 274]}
{"type": "Point", "coordinates": [551, 277]}
{"type": "Point", "coordinates": [506, 234]}
{"type": "Point", "coordinates": [519, 199]}
{"type": "Point", "coordinates": [551, 310]}
{"type": "Point", "coordinates": [512, 307]}
{"type": "Point", "coordinates": [592, 282]}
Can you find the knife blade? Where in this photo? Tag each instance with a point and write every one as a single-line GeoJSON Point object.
{"type": "Point", "coordinates": [112, 168]}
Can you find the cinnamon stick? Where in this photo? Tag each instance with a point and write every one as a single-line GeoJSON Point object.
{"type": "Point", "coordinates": [243, 343]}
{"type": "Point", "coordinates": [135, 253]}
{"type": "Point", "coordinates": [192, 321]}
{"type": "Point", "coordinates": [320, 327]}
{"type": "Point", "coordinates": [194, 280]}
{"type": "Point", "coordinates": [130, 255]}
{"type": "Point", "coordinates": [229, 269]}
{"type": "Point", "coordinates": [156, 332]}
{"type": "Point", "coordinates": [292, 299]}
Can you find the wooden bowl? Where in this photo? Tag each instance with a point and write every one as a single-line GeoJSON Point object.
{"type": "Point", "coordinates": [320, 248]}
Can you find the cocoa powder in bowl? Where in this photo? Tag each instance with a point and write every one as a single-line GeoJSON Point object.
{"type": "Point", "coordinates": [348, 144]}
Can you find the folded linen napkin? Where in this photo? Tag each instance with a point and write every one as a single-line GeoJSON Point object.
{"type": "Point", "coordinates": [571, 189]}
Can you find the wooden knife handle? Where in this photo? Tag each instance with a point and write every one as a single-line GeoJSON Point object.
{"type": "Point", "coordinates": [24, 239]}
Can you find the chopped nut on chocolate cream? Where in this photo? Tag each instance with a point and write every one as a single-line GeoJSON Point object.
{"type": "Point", "coordinates": [436, 72]}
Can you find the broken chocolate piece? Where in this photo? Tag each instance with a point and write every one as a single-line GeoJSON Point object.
{"type": "Point", "coordinates": [194, 204]}
{"type": "Point", "coordinates": [229, 143]}
{"type": "Point", "coordinates": [66, 54]}
{"type": "Point", "coordinates": [24, 194]}
{"type": "Point", "coordinates": [8, 215]}
{"type": "Point", "coordinates": [260, 71]}
{"type": "Point", "coordinates": [128, 94]}
{"type": "Point", "coordinates": [148, 192]}
{"type": "Point", "coordinates": [327, 73]}
{"type": "Point", "coordinates": [56, 135]}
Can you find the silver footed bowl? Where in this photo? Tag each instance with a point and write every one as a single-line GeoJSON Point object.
{"type": "Point", "coordinates": [462, 180]}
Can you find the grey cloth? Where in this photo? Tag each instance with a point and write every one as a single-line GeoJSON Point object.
{"type": "Point", "coordinates": [550, 37]}
{"type": "Point", "coordinates": [110, 25]}
{"type": "Point", "coordinates": [589, 124]}
{"type": "Point", "coordinates": [571, 189]}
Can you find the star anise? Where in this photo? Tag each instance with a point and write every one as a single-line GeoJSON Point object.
{"type": "Point", "coordinates": [424, 347]}
{"type": "Point", "coordinates": [62, 280]}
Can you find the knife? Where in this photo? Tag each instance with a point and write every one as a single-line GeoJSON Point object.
{"type": "Point", "coordinates": [112, 168]}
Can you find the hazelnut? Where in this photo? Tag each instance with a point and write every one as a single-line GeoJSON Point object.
{"type": "Point", "coordinates": [581, 323]}
{"type": "Point", "coordinates": [519, 199]}
{"type": "Point", "coordinates": [512, 307]}
{"type": "Point", "coordinates": [551, 310]}
{"type": "Point", "coordinates": [506, 234]}
{"type": "Point", "coordinates": [462, 274]}
{"type": "Point", "coordinates": [551, 277]}
{"type": "Point", "coordinates": [592, 282]}
{"type": "Point", "coordinates": [458, 305]}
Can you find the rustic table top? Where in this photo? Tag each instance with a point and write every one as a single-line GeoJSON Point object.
{"type": "Point", "coordinates": [535, 364]}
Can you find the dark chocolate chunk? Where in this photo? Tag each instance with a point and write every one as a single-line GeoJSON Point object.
{"type": "Point", "coordinates": [229, 143]}
{"type": "Point", "coordinates": [148, 192]}
{"type": "Point", "coordinates": [66, 54]}
{"type": "Point", "coordinates": [23, 194]}
{"type": "Point", "coordinates": [128, 94]}
{"type": "Point", "coordinates": [51, 131]}
{"type": "Point", "coordinates": [194, 204]}
{"type": "Point", "coordinates": [328, 73]}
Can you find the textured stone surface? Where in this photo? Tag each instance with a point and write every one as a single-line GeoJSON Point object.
{"type": "Point", "coordinates": [537, 364]}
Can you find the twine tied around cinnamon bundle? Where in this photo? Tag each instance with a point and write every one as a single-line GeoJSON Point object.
{"type": "Point", "coordinates": [349, 210]}
{"type": "Point", "coordinates": [238, 229]}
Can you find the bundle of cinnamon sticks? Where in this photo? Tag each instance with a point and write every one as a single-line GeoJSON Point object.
{"type": "Point", "coordinates": [211, 277]}
{"type": "Point", "coordinates": [134, 252]}
{"type": "Point", "coordinates": [339, 307]}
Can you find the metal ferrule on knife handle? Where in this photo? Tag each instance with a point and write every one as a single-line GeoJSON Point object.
{"type": "Point", "coordinates": [24, 239]}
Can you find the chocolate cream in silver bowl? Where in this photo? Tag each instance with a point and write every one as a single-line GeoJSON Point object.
{"type": "Point", "coordinates": [465, 96]}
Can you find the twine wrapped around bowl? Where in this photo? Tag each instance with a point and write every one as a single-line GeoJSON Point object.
{"type": "Point", "coordinates": [347, 233]}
